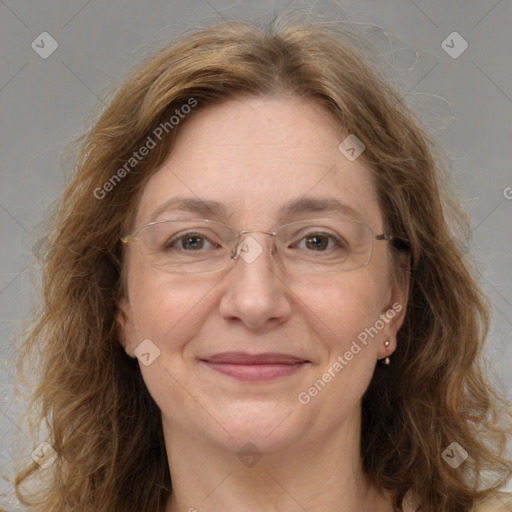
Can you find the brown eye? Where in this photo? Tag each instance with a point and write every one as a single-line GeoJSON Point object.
{"type": "Point", "coordinates": [192, 242]}
{"type": "Point", "coordinates": [317, 242]}
{"type": "Point", "coordinates": [189, 242]}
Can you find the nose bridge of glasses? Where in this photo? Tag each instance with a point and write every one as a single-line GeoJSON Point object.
{"type": "Point", "coordinates": [248, 247]}
{"type": "Point", "coordinates": [245, 231]}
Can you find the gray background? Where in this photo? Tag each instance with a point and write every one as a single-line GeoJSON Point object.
{"type": "Point", "coordinates": [466, 101]}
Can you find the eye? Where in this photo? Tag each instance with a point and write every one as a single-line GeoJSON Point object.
{"type": "Point", "coordinates": [321, 242]}
{"type": "Point", "coordinates": [317, 242]}
{"type": "Point", "coordinates": [191, 241]}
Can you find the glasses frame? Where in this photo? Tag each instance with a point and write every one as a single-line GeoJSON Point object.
{"type": "Point", "coordinates": [235, 253]}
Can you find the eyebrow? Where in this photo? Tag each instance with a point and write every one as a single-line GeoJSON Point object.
{"type": "Point", "coordinates": [201, 207]}
{"type": "Point", "coordinates": [320, 205]}
{"type": "Point", "coordinates": [206, 208]}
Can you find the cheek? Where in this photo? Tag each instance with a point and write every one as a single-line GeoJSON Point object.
{"type": "Point", "coordinates": [345, 306]}
{"type": "Point", "coordinates": [170, 313]}
{"type": "Point", "coordinates": [167, 311]}
{"type": "Point", "coordinates": [343, 315]}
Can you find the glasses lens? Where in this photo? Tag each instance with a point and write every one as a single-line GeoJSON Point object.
{"type": "Point", "coordinates": [322, 246]}
{"type": "Point", "coordinates": [186, 246]}
{"type": "Point", "coordinates": [325, 246]}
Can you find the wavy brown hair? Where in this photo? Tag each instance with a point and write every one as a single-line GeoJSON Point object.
{"type": "Point", "coordinates": [102, 422]}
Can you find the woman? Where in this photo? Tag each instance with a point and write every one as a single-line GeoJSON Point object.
{"type": "Point", "coordinates": [252, 299]}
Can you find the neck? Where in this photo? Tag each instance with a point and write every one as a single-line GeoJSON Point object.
{"type": "Point", "coordinates": [322, 475]}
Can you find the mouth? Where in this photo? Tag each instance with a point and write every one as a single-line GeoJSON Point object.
{"type": "Point", "coordinates": [255, 367]}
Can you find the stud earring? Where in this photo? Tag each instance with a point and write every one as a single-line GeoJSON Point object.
{"type": "Point", "coordinates": [386, 360]}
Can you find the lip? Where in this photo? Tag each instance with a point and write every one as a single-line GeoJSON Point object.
{"type": "Point", "coordinates": [255, 367]}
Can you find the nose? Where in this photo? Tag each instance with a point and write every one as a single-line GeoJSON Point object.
{"type": "Point", "coordinates": [255, 292]}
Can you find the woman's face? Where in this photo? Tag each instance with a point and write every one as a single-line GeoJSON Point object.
{"type": "Point", "coordinates": [253, 157]}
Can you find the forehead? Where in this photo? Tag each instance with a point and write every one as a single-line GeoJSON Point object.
{"type": "Point", "coordinates": [256, 157]}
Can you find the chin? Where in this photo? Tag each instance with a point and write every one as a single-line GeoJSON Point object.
{"type": "Point", "coordinates": [270, 426]}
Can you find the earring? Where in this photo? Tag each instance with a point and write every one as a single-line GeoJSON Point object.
{"type": "Point", "coordinates": [386, 360]}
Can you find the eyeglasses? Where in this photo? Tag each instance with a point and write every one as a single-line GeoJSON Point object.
{"type": "Point", "coordinates": [317, 246]}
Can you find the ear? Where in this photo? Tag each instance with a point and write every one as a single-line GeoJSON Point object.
{"type": "Point", "coordinates": [393, 313]}
{"type": "Point", "coordinates": [124, 320]}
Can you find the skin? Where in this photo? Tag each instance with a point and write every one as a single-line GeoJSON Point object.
{"type": "Point", "coordinates": [253, 156]}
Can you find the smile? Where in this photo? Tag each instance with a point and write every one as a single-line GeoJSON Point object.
{"type": "Point", "coordinates": [255, 367]}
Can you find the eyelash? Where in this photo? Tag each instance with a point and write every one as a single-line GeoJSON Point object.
{"type": "Point", "coordinates": [181, 236]}
{"type": "Point", "coordinates": [337, 241]}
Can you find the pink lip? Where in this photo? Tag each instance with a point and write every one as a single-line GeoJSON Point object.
{"type": "Point", "coordinates": [255, 367]}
